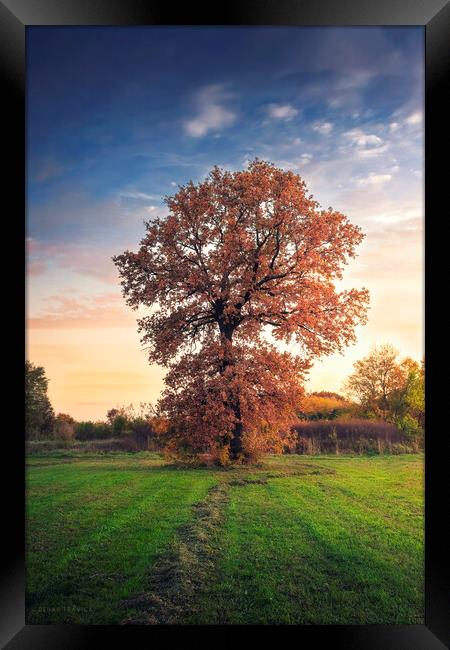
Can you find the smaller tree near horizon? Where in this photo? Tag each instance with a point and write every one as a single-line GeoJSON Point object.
{"type": "Point", "coordinates": [411, 399]}
{"type": "Point", "coordinates": [112, 414]}
{"type": "Point", "coordinates": [64, 426]}
{"type": "Point", "coordinates": [142, 422]}
{"type": "Point", "coordinates": [390, 388]}
{"type": "Point", "coordinates": [375, 379]}
{"type": "Point", "coordinates": [39, 414]}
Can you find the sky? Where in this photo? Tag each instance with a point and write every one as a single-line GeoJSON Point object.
{"type": "Point", "coordinates": [117, 118]}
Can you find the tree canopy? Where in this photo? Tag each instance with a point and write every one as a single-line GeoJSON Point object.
{"type": "Point", "coordinates": [241, 254]}
{"type": "Point", "coordinates": [39, 414]}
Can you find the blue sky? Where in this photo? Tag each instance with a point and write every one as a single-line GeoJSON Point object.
{"type": "Point", "coordinates": [117, 117]}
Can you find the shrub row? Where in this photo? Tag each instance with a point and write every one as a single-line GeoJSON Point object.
{"type": "Point", "coordinates": [350, 429]}
{"type": "Point", "coordinates": [355, 436]}
{"type": "Point", "coordinates": [125, 444]}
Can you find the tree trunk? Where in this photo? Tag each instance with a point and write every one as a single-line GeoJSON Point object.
{"type": "Point", "coordinates": [236, 449]}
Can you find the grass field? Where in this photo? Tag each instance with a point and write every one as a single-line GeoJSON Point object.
{"type": "Point", "coordinates": [126, 538]}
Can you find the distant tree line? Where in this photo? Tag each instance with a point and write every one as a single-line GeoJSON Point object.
{"type": "Point", "coordinates": [142, 427]}
{"type": "Point", "coordinates": [383, 409]}
{"type": "Point", "coordinates": [391, 389]}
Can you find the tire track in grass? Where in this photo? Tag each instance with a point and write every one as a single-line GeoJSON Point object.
{"type": "Point", "coordinates": [181, 574]}
{"type": "Point", "coordinates": [366, 522]}
{"type": "Point", "coordinates": [85, 544]}
{"type": "Point", "coordinates": [182, 580]}
{"type": "Point", "coordinates": [71, 508]}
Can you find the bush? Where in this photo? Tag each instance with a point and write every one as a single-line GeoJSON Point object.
{"type": "Point", "coordinates": [325, 406]}
{"type": "Point", "coordinates": [410, 426]}
{"type": "Point", "coordinates": [112, 444]}
{"type": "Point", "coordinates": [120, 425]}
{"type": "Point", "coordinates": [92, 431]}
{"type": "Point", "coordinates": [64, 427]}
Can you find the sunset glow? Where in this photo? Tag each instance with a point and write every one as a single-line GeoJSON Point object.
{"type": "Point", "coordinates": [117, 118]}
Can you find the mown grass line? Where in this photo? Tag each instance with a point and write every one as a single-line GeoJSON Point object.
{"type": "Point", "coordinates": [84, 581]}
{"type": "Point", "coordinates": [379, 564]}
{"type": "Point", "coordinates": [72, 519]}
{"type": "Point", "coordinates": [183, 572]}
{"type": "Point", "coordinates": [311, 562]}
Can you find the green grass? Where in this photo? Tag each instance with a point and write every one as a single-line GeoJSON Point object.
{"type": "Point", "coordinates": [316, 540]}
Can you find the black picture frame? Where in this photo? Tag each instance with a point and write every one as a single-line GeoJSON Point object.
{"type": "Point", "coordinates": [15, 17]}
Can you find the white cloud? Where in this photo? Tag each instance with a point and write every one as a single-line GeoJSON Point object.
{"type": "Point", "coordinates": [212, 114]}
{"type": "Point", "coordinates": [415, 118]}
{"type": "Point", "coordinates": [361, 139]}
{"type": "Point", "coordinates": [367, 145]}
{"type": "Point", "coordinates": [375, 179]}
{"type": "Point", "coordinates": [372, 152]}
{"type": "Point", "coordinates": [393, 126]}
{"type": "Point", "coordinates": [282, 111]}
{"type": "Point", "coordinates": [322, 127]}
{"type": "Point", "coordinates": [305, 158]}
{"type": "Point", "coordinates": [296, 164]}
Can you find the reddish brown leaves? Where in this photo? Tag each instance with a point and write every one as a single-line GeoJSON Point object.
{"type": "Point", "coordinates": [240, 253]}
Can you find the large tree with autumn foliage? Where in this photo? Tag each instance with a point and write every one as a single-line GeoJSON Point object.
{"type": "Point", "coordinates": [240, 256]}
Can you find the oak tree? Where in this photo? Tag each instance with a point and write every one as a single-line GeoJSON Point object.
{"type": "Point", "coordinates": [241, 256]}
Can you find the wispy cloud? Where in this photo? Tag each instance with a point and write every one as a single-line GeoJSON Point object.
{"type": "Point", "coordinates": [366, 144]}
{"type": "Point", "coordinates": [66, 312]}
{"type": "Point", "coordinates": [91, 261]}
{"type": "Point", "coordinates": [324, 128]}
{"type": "Point", "coordinates": [141, 196]}
{"type": "Point", "coordinates": [284, 112]}
{"type": "Point", "coordinates": [372, 152]}
{"type": "Point", "coordinates": [212, 114]}
{"type": "Point", "coordinates": [414, 118]}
